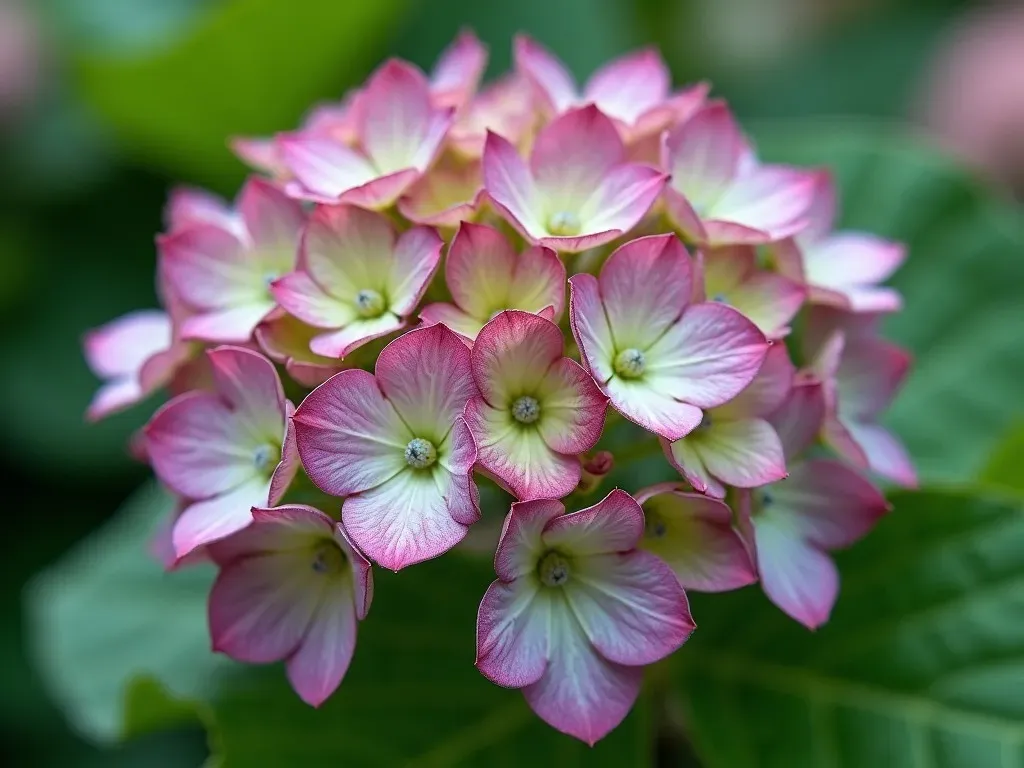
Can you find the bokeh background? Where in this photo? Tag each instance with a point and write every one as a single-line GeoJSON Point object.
{"type": "Point", "coordinates": [106, 103]}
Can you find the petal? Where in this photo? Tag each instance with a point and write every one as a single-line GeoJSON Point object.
{"type": "Point", "coordinates": [886, 455]}
{"type": "Point", "coordinates": [694, 535]}
{"type": "Point", "coordinates": [270, 531]}
{"type": "Point", "coordinates": [325, 167]}
{"type": "Point", "coordinates": [683, 455]}
{"type": "Point", "coordinates": [263, 155]}
{"type": "Point", "coordinates": [511, 187]}
{"type": "Point", "coordinates": [769, 300]}
{"type": "Point", "coordinates": [260, 607]}
{"type": "Point", "coordinates": [683, 217]}
{"type": "Point", "coordinates": [287, 468]}
{"type": "Point", "coordinates": [450, 194]}
{"type": "Point", "coordinates": [708, 357]}
{"type": "Point", "coordinates": [453, 317]}
{"type": "Point", "coordinates": [870, 373]}
{"type": "Point", "coordinates": [572, 408]}
{"type": "Point", "coordinates": [703, 155]}
{"type": "Point", "coordinates": [416, 257]}
{"type": "Point", "coordinates": [547, 74]}
{"type": "Point", "coordinates": [207, 521]}
{"type": "Point", "coordinates": [362, 572]}
{"type": "Point", "coordinates": [770, 199]}
{"type": "Point", "coordinates": [233, 325]}
{"type": "Point", "coordinates": [850, 259]}
{"type": "Point", "coordinates": [767, 391]}
{"type": "Point", "coordinates": [726, 269]}
{"type": "Point", "coordinates": [121, 346]}
{"type": "Point", "coordinates": [652, 409]}
{"type": "Point", "coordinates": [457, 455]}
{"type": "Point", "coordinates": [273, 220]}
{"type": "Point", "coordinates": [512, 640]}
{"type": "Point", "coordinates": [538, 282]}
{"type": "Point", "coordinates": [631, 606]}
{"type": "Point", "coordinates": [518, 456]}
{"type": "Point", "coordinates": [590, 327]}
{"type": "Point", "coordinates": [316, 668]}
{"type": "Point", "coordinates": [800, 418]}
{"type": "Point", "coordinates": [614, 524]}
{"type": "Point", "coordinates": [406, 520]}
{"type": "Point", "coordinates": [114, 396]}
{"type": "Point", "coordinates": [187, 206]}
{"type": "Point", "coordinates": [798, 578]}
{"type": "Point", "coordinates": [285, 339]}
{"type": "Point", "coordinates": [458, 70]}
{"type": "Point", "coordinates": [341, 343]}
{"type": "Point", "coordinates": [646, 284]}
{"type": "Point", "coordinates": [512, 354]}
{"type": "Point", "coordinates": [630, 85]}
{"type": "Point", "coordinates": [249, 383]}
{"type": "Point", "coordinates": [744, 453]}
{"type": "Point", "coordinates": [380, 193]}
{"type": "Point", "coordinates": [349, 436]}
{"type": "Point", "coordinates": [521, 543]}
{"type": "Point", "coordinates": [480, 268]}
{"type": "Point", "coordinates": [302, 297]}
{"type": "Point", "coordinates": [427, 376]}
{"type": "Point", "coordinates": [581, 693]}
{"type": "Point", "coordinates": [821, 214]}
{"type": "Point", "coordinates": [624, 195]}
{"type": "Point", "coordinates": [210, 268]}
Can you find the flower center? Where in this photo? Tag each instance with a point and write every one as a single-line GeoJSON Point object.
{"type": "Point", "coordinates": [553, 569]}
{"type": "Point", "coordinates": [654, 525]}
{"type": "Point", "coordinates": [630, 363]}
{"type": "Point", "coordinates": [564, 224]}
{"type": "Point", "coordinates": [265, 457]}
{"type": "Point", "coordinates": [268, 278]}
{"type": "Point", "coordinates": [705, 422]}
{"type": "Point", "coordinates": [720, 298]}
{"type": "Point", "coordinates": [328, 559]}
{"type": "Point", "coordinates": [369, 303]}
{"type": "Point", "coordinates": [420, 453]}
{"type": "Point", "coordinates": [526, 410]}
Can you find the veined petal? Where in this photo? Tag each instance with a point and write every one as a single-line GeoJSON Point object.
{"type": "Point", "coordinates": [302, 297]}
{"type": "Point", "coordinates": [511, 187]}
{"type": "Point", "coordinates": [547, 74]}
{"type": "Point", "coordinates": [207, 521]}
{"type": "Point", "coordinates": [445, 197]}
{"type": "Point", "coordinates": [631, 606]}
{"type": "Point", "coordinates": [870, 374]}
{"type": "Point", "coordinates": [406, 520]}
{"type": "Point", "coordinates": [694, 535]}
{"type": "Point", "coordinates": [416, 257]}
{"type": "Point", "coordinates": [272, 219]}
{"type": "Point", "coordinates": [770, 199]}
{"type": "Point", "coordinates": [706, 358]}
{"type": "Point", "coordinates": [458, 70]}
{"type": "Point", "coordinates": [798, 578]}
{"type": "Point", "coordinates": [630, 85]}
{"type": "Point", "coordinates": [512, 639]}
{"type": "Point", "coordinates": [479, 270]}
{"type": "Point", "coordinates": [289, 465]}
{"type": "Point", "coordinates": [379, 193]}
{"type": "Point", "coordinates": [769, 300]}
{"type": "Point", "coordinates": [325, 167]}
{"type": "Point", "coordinates": [341, 343]}
{"type": "Point", "coordinates": [538, 282]}
{"type": "Point", "coordinates": [346, 250]}
{"type": "Point", "coordinates": [512, 354]}
{"type": "Point", "coordinates": [590, 327]}
{"type": "Point", "coordinates": [285, 339]}
{"type": "Point", "coordinates": [614, 524]}
{"type": "Point", "coordinates": [521, 544]}
{"type": "Point", "coordinates": [396, 114]}
{"type": "Point", "coordinates": [249, 383]}
{"type": "Point", "coordinates": [745, 453]}
{"type": "Point", "coordinates": [281, 529]}
{"type": "Point", "coordinates": [683, 455]}
{"type": "Point", "coordinates": [317, 666]}
{"type": "Point", "coordinates": [362, 572]}
{"type": "Point", "coordinates": [651, 408]}
{"type": "Point", "coordinates": [210, 268]}
{"type": "Point", "coordinates": [349, 436]}
{"type": "Point", "coordinates": [767, 391]}
{"type": "Point", "coordinates": [573, 408]}
{"type": "Point", "coordinates": [703, 155]}
{"type": "Point", "coordinates": [465, 325]}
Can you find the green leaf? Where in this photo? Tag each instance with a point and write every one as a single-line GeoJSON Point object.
{"type": "Point", "coordinates": [111, 628]}
{"type": "Point", "coordinates": [1004, 466]}
{"type": "Point", "coordinates": [922, 663]}
{"type": "Point", "coordinates": [247, 67]}
{"type": "Point", "coordinates": [963, 314]}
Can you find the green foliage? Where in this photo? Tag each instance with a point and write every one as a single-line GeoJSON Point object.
{"type": "Point", "coordinates": [922, 662]}
{"type": "Point", "coordinates": [1005, 468]}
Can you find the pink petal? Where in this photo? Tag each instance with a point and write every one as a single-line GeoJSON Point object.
{"type": "Point", "coordinates": [261, 607]}
{"type": "Point", "coordinates": [316, 668]}
{"type": "Point", "coordinates": [114, 396]}
{"type": "Point", "coordinates": [521, 544]}
{"type": "Point", "coordinates": [480, 267]}
{"type": "Point", "coordinates": [416, 257]}
{"type": "Point", "coordinates": [427, 376]}
{"type": "Point", "coordinates": [800, 417]}
{"type": "Point", "coordinates": [505, 107]}
{"type": "Point", "coordinates": [694, 535]}
{"type": "Point", "coordinates": [511, 187]}
{"type": "Point", "coordinates": [538, 282]}
{"type": "Point", "coordinates": [272, 219]}
{"type": "Point", "coordinates": [512, 354]}
{"type": "Point", "coordinates": [324, 167]}
{"type": "Point", "coordinates": [121, 346]}
{"type": "Point", "coordinates": [703, 155]}
{"type": "Point", "coordinates": [798, 578]}
{"type": "Point", "coordinates": [249, 383]}
{"type": "Point", "coordinates": [512, 638]}
{"type": "Point", "coordinates": [210, 268]}
{"type": "Point", "coordinates": [652, 409]}
{"type": "Point", "coordinates": [465, 325]}
{"type": "Point", "coordinates": [207, 521]}
{"type": "Point", "coordinates": [362, 572]}
{"type": "Point", "coordinates": [770, 199]}
{"type": "Point", "coordinates": [581, 693]}
{"type": "Point", "coordinates": [380, 193]}
{"type": "Point", "coordinates": [684, 456]}
{"type": "Point", "coordinates": [450, 194]}
{"type": "Point", "coordinates": [262, 155]}
{"type": "Point", "coordinates": [590, 326]}
{"type": "Point", "coordinates": [579, 243]}
{"type": "Point", "coordinates": [187, 206]}
{"type": "Point", "coordinates": [745, 453]}
{"type": "Point", "coordinates": [886, 455]}
{"type": "Point", "coordinates": [631, 606]}
{"type": "Point", "coordinates": [547, 74]}
{"type": "Point", "coordinates": [349, 436]}
{"type": "Point", "coordinates": [288, 467]}
{"type": "Point", "coordinates": [271, 531]}
{"type": "Point", "coordinates": [457, 454]}
{"type": "Point", "coordinates": [234, 325]}
{"type": "Point", "coordinates": [645, 285]}
{"type": "Point", "coordinates": [708, 357]}
{"type": "Point", "coordinates": [871, 372]}
{"type": "Point", "coordinates": [302, 297]}
{"type": "Point", "coordinates": [458, 70]}
{"type": "Point", "coordinates": [623, 197]}
{"type": "Point", "coordinates": [630, 85]}
{"type": "Point", "coordinates": [767, 391]}
{"type": "Point", "coordinates": [682, 215]}
{"type": "Point", "coordinates": [285, 339]}
{"type": "Point", "coordinates": [574, 407]}
{"type": "Point", "coordinates": [769, 300]}
{"type": "Point", "coordinates": [852, 259]}
{"type": "Point", "coordinates": [406, 520]}
{"type": "Point", "coordinates": [614, 524]}
{"type": "Point", "coordinates": [341, 343]}
{"type": "Point", "coordinates": [572, 155]}
{"type": "Point", "coordinates": [821, 214]}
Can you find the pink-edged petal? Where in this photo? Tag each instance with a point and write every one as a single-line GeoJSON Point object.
{"type": "Point", "coordinates": [826, 503]}
{"type": "Point", "coordinates": [683, 216]}
{"type": "Point", "coordinates": [187, 206]}
{"type": "Point", "coordinates": [260, 607]}
{"type": "Point", "coordinates": [446, 196]}
{"type": "Point", "coordinates": [821, 214]}
{"type": "Point", "coordinates": [573, 408]}
{"type": "Point", "coordinates": [210, 268]}
{"type": "Point", "coordinates": [349, 436]}
{"type": "Point", "coordinates": [623, 197]}
{"type": "Point", "coordinates": [427, 376]}
{"type": "Point", "coordinates": [706, 358]}
{"type": "Point", "coordinates": [545, 72]}
{"type": "Point", "coordinates": [581, 693]}
{"type": "Point", "coordinates": [233, 325]}
{"type": "Point", "coordinates": [703, 155]}
{"type": "Point", "coordinates": [249, 383]}
{"type": "Point", "coordinates": [512, 353]}
{"type": "Point", "coordinates": [288, 467]}
{"type": "Point", "coordinates": [850, 259]}
{"type": "Point", "coordinates": [324, 167]}
{"type": "Point", "coordinates": [302, 297]}
{"type": "Point", "coordinates": [798, 578]}
{"type": "Point", "coordinates": [745, 453]}
{"type": "Point", "coordinates": [213, 519]}
{"type": "Point", "coordinates": [457, 454]}
{"type": "Point", "coordinates": [414, 260]}
{"type": "Point", "coordinates": [579, 243]}
{"type": "Point", "coordinates": [538, 282]}
{"type": "Point", "coordinates": [380, 193]}
{"type": "Point", "coordinates": [572, 155]}
{"type": "Point", "coordinates": [769, 199]}
{"type": "Point", "coordinates": [614, 524]}
{"type": "Point", "coordinates": [343, 342]}
{"type": "Point", "coordinates": [121, 346]}
{"type": "Point", "coordinates": [631, 606]}
{"type": "Point", "coordinates": [272, 219]}
{"type": "Point", "coordinates": [654, 410]}
{"type": "Point", "coordinates": [518, 456]}
{"type": "Point", "coordinates": [114, 396]}
{"type": "Point", "coordinates": [800, 418]}
{"type": "Point", "coordinates": [458, 70]}
{"type": "Point", "coordinates": [362, 572]}
{"type": "Point", "coordinates": [590, 327]}
{"type": "Point", "coordinates": [480, 268]}
{"type": "Point", "coordinates": [645, 285]}
{"type": "Point", "coordinates": [505, 107]}
{"type": "Point", "coordinates": [465, 325]}
{"type": "Point", "coordinates": [274, 530]}
{"type": "Point", "coordinates": [317, 666]}
{"type": "Point", "coordinates": [630, 85]}
{"type": "Point", "coordinates": [684, 456]}
{"type": "Point", "coordinates": [343, 249]}
{"type": "Point", "coordinates": [521, 543]}
{"type": "Point", "coordinates": [511, 187]}
{"type": "Point", "coordinates": [767, 391]}
{"type": "Point", "coordinates": [886, 455]}
{"type": "Point", "coordinates": [260, 154]}
{"type": "Point", "coordinates": [870, 373]}
{"type": "Point", "coordinates": [512, 638]}
{"type": "Point", "coordinates": [407, 519]}
{"type": "Point", "coordinates": [694, 535]}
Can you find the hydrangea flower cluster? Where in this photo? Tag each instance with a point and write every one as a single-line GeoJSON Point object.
{"type": "Point", "coordinates": [461, 286]}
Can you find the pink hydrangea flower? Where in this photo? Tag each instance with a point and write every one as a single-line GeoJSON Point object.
{"type": "Point", "coordinates": [400, 132]}
{"type": "Point", "coordinates": [719, 194]}
{"type": "Point", "coordinates": [135, 355]}
{"type": "Point", "coordinates": [841, 269]}
{"type": "Point", "coordinates": [792, 525]}
{"type": "Point", "coordinates": [863, 374]}
{"type": "Point", "coordinates": [694, 535]}
{"type": "Point", "coordinates": [356, 277]}
{"type": "Point", "coordinates": [734, 444]}
{"type": "Point", "coordinates": [731, 276]}
{"type": "Point", "coordinates": [396, 446]}
{"type": "Point", "coordinates": [659, 357]}
{"type": "Point", "coordinates": [577, 611]}
{"type": "Point", "coordinates": [633, 90]}
{"type": "Point", "coordinates": [291, 587]}
{"type": "Point", "coordinates": [221, 268]}
{"type": "Point", "coordinates": [537, 411]}
{"type": "Point", "coordinates": [578, 190]}
{"type": "Point", "coordinates": [485, 276]}
{"type": "Point", "coordinates": [227, 451]}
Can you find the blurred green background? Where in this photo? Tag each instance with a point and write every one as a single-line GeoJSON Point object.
{"type": "Point", "coordinates": [106, 103]}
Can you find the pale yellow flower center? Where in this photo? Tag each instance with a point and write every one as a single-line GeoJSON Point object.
{"type": "Point", "coordinates": [630, 363]}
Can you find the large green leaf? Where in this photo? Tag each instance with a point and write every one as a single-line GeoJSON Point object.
{"type": "Point", "coordinates": [961, 284]}
{"type": "Point", "coordinates": [922, 663]}
{"type": "Point", "coordinates": [111, 627]}
{"type": "Point", "coordinates": [1005, 465]}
